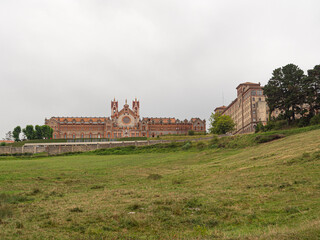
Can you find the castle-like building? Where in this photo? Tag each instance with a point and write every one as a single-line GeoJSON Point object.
{"type": "Point", "coordinates": [122, 123]}
{"type": "Point", "coordinates": [248, 109]}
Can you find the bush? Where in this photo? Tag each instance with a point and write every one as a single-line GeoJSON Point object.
{"type": "Point", "coordinates": [2, 144]}
{"type": "Point", "coordinates": [187, 146]}
{"type": "Point", "coordinates": [190, 132]}
{"type": "Point", "coordinates": [268, 138]}
{"type": "Point", "coordinates": [315, 120]}
{"type": "Point", "coordinates": [303, 122]}
{"type": "Point", "coordinates": [259, 128]}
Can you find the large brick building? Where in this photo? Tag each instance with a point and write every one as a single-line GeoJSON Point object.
{"type": "Point", "coordinates": [248, 109]}
{"type": "Point", "coordinates": [122, 123]}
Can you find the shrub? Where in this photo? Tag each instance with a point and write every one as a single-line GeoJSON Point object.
{"type": "Point", "coordinates": [268, 138]}
{"type": "Point", "coordinates": [303, 122]}
{"type": "Point", "coordinates": [280, 124]}
{"type": "Point", "coordinates": [315, 120]}
{"type": "Point", "coordinates": [187, 146]}
{"type": "Point", "coordinates": [2, 144]}
{"type": "Point", "coordinates": [259, 128]}
{"type": "Point", "coordinates": [190, 132]}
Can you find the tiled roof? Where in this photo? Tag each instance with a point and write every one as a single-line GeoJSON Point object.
{"type": "Point", "coordinates": [79, 119]}
{"type": "Point", "coordinates": [6, 141]}
{"type": "Point", "coordinates": [157, 120]}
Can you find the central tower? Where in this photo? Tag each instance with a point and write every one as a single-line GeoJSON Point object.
{"type": "Point", "coordinates": [114, 108]}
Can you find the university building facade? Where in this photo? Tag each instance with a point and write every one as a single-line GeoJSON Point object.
{"type": "Point", "coordinates": [122, 123]}
{"type": "Point", "coordinates": [248, 109]}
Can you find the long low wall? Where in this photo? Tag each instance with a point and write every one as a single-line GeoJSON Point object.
{"type": "Point", "coordinates": [58, 148]}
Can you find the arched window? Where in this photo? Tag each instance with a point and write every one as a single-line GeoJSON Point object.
{"type": "Point", "coordinates": [98, 135]}
{"type": "Point", "coordinates": [90, 136]}
{"type": "Point", "coordinates": [55, 136]}
{"type": "Point", "coordinates": [82, 135]}
{"type": "Point", "coordinates": [74, 136]}
{"type": "Point", "coordinates": [65, 136]}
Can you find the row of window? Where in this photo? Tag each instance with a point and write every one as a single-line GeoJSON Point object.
{"type": "Point", "coordinates": [82, 121]}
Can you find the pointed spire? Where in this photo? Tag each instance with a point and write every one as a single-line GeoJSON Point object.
{"type": "Point", "coordinates": [126, 101]}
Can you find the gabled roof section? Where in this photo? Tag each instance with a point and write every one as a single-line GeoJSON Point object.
{"type": "Point", "coordinates": [248, 83]}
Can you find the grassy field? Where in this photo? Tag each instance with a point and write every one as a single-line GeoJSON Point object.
{"type": "Point", "coordinates": [266, 191]}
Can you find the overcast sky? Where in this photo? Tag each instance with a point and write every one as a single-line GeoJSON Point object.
{"type": "Point", "coordinates": [179, 58]}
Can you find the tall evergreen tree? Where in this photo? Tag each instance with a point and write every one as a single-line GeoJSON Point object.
{"type": "Point", "coordinates": [284, 90]}
{"type": "Point", "coordinates": [312, 89]}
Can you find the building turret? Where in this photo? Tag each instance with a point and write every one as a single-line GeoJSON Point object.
{"type": "Point", "coordinates": [136, 107]}
{"type": "Point", "coordinates": [114, 108]}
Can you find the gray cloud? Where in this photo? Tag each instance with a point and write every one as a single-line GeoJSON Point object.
{"type": "Point", "coordinates": [62, 58]}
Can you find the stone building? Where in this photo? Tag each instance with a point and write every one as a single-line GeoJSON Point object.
{"type": "Point", "coordinates": [248, 109]}
{"type": "Point", "coordinates": [122, 123]}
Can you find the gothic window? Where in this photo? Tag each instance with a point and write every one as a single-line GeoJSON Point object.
{"type": "Point", "coordinates": [99, 135]}
{"type": "Point", "coordinates": [82, 135]}
{"type": "Point", "coordinates": [65, 136]}
{"type": "Point", "coordinates": [73, 136]}
{"type": "Point", "coordinates": [90, 136]}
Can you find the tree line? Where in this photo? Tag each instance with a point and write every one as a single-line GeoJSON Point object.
{"type": "Point", "coordinates": [31, 133]}
{"type": "Point", "coordinates": [293, 92]}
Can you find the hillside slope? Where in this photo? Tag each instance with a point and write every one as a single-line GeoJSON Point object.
{"type": "Point", "coordinates": [270, 191]}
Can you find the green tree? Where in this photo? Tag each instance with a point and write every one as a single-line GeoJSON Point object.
{"type": "Point", "coordinates": [47, 132]}
{"type": "Point", "coordinates": [221, 124]}
{"type": "Point", "coordinates": [190, 132]}
{"type": "Point", "coordinates": [16, 133]}
{"type": "Point", "coordinates": [285, 92]}
{"type": "Point", "coordinates": [311, 88]}
{"type": "Point", "coordinates": [29, 132]}
{"type": "Point", "coordinates": [9, 136]}
{"type": "Point", "coordinates": [38, 132]}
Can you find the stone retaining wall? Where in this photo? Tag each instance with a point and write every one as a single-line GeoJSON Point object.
{"type": "Point", "coordinates": [58, 149]}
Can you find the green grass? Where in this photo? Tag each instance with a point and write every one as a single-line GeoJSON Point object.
{"type": "Point", "coordinates": [264, 191]}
